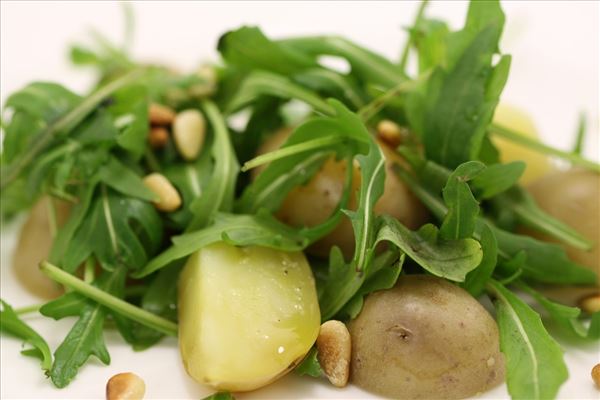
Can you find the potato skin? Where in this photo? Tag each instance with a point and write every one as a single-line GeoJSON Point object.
{"type": "Point", "coordinates": [33, 246]}
{"type": "Point", "coordinates": [314, 202]}
{"type": "Point", "coordinates": [572, 196]}
{"type": "Point", "coordinates": [425, 338]}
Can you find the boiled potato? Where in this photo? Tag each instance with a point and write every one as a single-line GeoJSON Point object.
{"type": "Point", "coordinates": [246, 315]}
{"type": "Point", "coordinates": [573, 197]}
{"type": "Point", "coordinates": [33, 246]}
{"type": "Point", "coordinates": [425, 339]}
{"type": "Point", "coordinates": [514, 118]}
{"type": "Point", "coordinates": [314, 202]}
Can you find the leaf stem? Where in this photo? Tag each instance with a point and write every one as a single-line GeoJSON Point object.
{"type": "Point", "coordinates": [291, 150]}
{"type": "Point", "coordinates": [580, 136]}
{"type": "Point", "coordinates": [523, 140]}
{"type": "Point", "coordinates": [28, 309]}
{"type": "Point", "coordinates": [115, 304]}
{"type": "Point", "coordinates": [64, 124]}
{"type": "Point", "coordinates": [409, 42]}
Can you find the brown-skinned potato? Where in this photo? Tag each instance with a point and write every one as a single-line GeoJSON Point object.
{"type": "Point", "coordinates": [425, 339]}
{"type": "Point", "coordinates": [572, 196]}
{"type": "Point", "coordinates": [314, 202]}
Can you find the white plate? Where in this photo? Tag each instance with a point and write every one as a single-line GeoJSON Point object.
{"type": "Point", "coordinates": [555, 48]}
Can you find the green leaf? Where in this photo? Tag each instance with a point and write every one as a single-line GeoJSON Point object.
{"type": "Point", "coordinates": [535, 368]}
{"type": "Point", "coordinates": [459, 100]}
{"type": "Point", "coordinates": [310, 365]}
{"type": "Point", "coordinates": [85, 337]}
{"type": "Point", "coordinates": [130, 112]}
{"type": "Point", "coordinates": [122, 179]}
{"type": "Point", "coordinates": [249, 49]}
{"type": "Point", "coordinates": [463, 209]}
{"type": "Point", "coordinates": [497, 178]}
{"type": "Point", "coordinates": [242, 230]}
{"type": "Point", "coordinates": [118, 230]}
{"type": "Point", "coordinates": [566, 317]}
{"type": "Point", "coordinates": [477, 279]}
{"type": "Point", "coordinates": [220, 396]}
{"type": "Point", "coordinates": [449, 259]}
{"type": "Point", "coordinates": [12, 324]}
{"type": "Point", "coordinates": [220, 192]}
{"type": "Point", "coordinates": [429, 37]}
{"type": "Point", "coordinates": [262, 83]}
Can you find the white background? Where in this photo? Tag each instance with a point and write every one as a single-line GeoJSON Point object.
{"type": "Point", "coordinates": [554, 76]}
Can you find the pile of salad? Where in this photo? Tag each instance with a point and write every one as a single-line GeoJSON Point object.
{"type": "Point", "coordinates": [276, 215]}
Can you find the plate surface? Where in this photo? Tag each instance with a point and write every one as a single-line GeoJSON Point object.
{"type": "Point", "coordinates": [555, 48]}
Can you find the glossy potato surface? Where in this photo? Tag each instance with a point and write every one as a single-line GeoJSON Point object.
{"type": "Point", "coordinates": [246, 315]}
{"type": "Point", "coordinates": [314, 202]}
{"type": "Point", "coordinates": [425, 339]}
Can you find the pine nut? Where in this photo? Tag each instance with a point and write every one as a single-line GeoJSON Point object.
{"type": "Point", "coordinates": [189, 129]}
{"type": "Point", "coordinates": [125, 386]}
{"type": "Point", "coordinates": [160, 115]}
{"type": "Point", "coordinates": [158, 137]}
{"type": "Point", "coordinates": [590, 304]}
{"type": "Point", "coordinates": [334, 348]}
{"type": "Point", "coordinates": [168, 197]}
{"type": "Point", "coordinates": [596, 375]}
{"type": "Point", "coordinates": [390, 132]}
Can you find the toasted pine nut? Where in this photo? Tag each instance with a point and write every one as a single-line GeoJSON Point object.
{"type": "Point", "coordinates": [160, 115]}
{"type": "Point", "coordinates": [168, 197]}
{"type": "Point", "coordinates": [590, 304]}
{"type": "Point", "coordinates": [125, 386]}
{"type": "Point", "coordinates": [158, 137]}
{"type": "Point", "coordinates": [189, 129]}
{"type": "Point", "coordinates": [334, 348]}
{"type": "Point", "coordinates": [390, 132]}
{"type": "Point", "coordinates": [596, 375]}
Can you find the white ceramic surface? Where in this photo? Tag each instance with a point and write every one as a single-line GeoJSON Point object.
{"type": "Point", "coordinates": [555, 47]}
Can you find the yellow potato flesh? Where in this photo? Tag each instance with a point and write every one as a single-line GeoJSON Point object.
{"type": "Point", "coordinates": [514, 118]}
{"type": "Point", "coordinates": [246, 315]}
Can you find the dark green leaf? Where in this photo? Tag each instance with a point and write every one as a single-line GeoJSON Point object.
{"type": "Point", "coordinates": [535, 368]}
{"type": "Point", "coordinates": [130, 113]}
{"type": "Point", "coordinates": [12, 324]}
{"type": "Point", "coordinates": [463, 209]}
{"type": "Point", "coordinates": [477, 279]}
{"type": "Point", "coordinates": [121, 178]}
{"type": "Point", "coordinates": [220, 396]}
{"type": "Point", "coordinates": [497, 178]}
{"type": "Point", "coordinates": [85, 337]}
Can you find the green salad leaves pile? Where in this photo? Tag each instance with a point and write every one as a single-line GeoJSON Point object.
{"type": "Point", "coordinates": [92, 152]}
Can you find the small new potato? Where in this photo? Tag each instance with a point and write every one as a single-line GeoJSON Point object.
{"type": "Point", "coordinates": [425, 339]}
{"type": "Point", "coordinates": [572, 196]}
{"type": "Point", "coordinates": [247, 315]}
{"type": "Point", "coordinates": [315, 201]}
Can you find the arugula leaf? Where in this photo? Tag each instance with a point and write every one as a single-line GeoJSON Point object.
{"type": "Point", "coordinates": [220, 396]}
{"type": "Point", "coordinates": [535, 368]}
{"type": "Point", "coordinates": [238, 229]}
{"type": "Point", "coordinates": [566, 317]}
{"type": "Point", "coordinates": [12, 324]}
{"type": "Point", "coordinates": [310, 365]}
{"type": "Point", "coordinates": [85, 337]}
{"type": "Point", "coordinates": [449, 259]}
{"type": "Point", "coordinates": [429, 37]}
{"type": "Point", "coordinates": [129, 109]}
{"type": "Point", "coordinates": [118, 231]}
{"type": "Point", "coordinates": [497, 178]}
{"type": "Point", "coordinates": [477, 279]}
{"type": "Point", "coordinates": [262, 83]}
{"type": "Point", "coordinates": [122, 179]}
{"type": "Point", "coordinates": [456, 105]}
{"type": "Point", "coordinates": [220, 192]}
{"type": "Point", "coordinates": [248, 48]}
{"type": "Point", "coordinates": [459, 222]}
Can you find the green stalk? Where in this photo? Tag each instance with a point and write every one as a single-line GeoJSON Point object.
{"type": "Point", "coordinates": [533, 144]}
{"type": "Point", "coordinates": [109, 301]}
{"type": "Point", "coordinates": [580, 136]}
{"type": "Point", "coordinates": [64, 124]}
{"type": "Point", "coordinates": [28, 309]}
{"type": "Point", "coordinates": [291, 150]}
{"type": "Point", "coordinates": [409, 42]}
